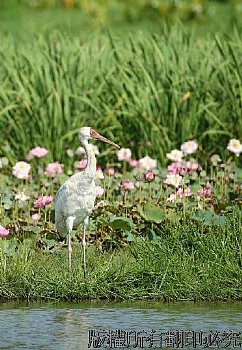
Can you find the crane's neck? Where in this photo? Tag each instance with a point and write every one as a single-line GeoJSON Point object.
{"type": "Point", "coordinates": [90, 169]}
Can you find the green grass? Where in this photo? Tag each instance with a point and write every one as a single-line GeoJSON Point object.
{"type": "Point", "coordinates": [186, 262]}
{"type": "Point", "coordinates": [126, 78]}
{"type": "Point", "coordinates": [131, 89]}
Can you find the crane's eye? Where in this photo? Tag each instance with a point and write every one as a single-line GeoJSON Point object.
{"type": "Point", "coordinates": [93, 133]}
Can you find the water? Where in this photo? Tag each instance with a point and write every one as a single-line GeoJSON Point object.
{"type": "Point", "coordinates": [67, 325]}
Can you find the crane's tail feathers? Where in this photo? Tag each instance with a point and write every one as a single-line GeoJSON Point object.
{"type": "Point", "coordinates": [64, 226]}
{"type": "Point", "coordinates": [69, 223]}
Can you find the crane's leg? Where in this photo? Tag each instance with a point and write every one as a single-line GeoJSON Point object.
{"type": "Point", "coordinates": [69, 252]}
{"type": "Point", "coordinates": [85, 223]}
{"type": "Point", "coordinates": [69, 222]}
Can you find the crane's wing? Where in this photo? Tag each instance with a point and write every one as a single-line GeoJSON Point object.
{"type": "Point", "coordinates": [75, 198]}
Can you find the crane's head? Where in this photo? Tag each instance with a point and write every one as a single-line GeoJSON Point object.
{"type": "Point", "coordinates": [87, 133]}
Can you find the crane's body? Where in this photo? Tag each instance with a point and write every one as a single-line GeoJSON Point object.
{"type": "Point", "coordinates": [76, 197]}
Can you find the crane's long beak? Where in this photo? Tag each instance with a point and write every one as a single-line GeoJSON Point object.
{"type": "Point", "coordinates": [95, 135]}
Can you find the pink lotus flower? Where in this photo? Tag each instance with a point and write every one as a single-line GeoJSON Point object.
{"type": "Point", "coordinates": [39, 152]}
{"type": "Point", "coordinates": [53, 169]}
{"type": "Point", "coordinates": [36, 217]}
{"type": "Point", "coordinates": [149, 175]}
{"type": "Point", "coordinates": [80, 151]}
{"type": "Point", "coordinates": [189, 147]}
{"type": "Point", "coordinates": [133, 163]}
{"type": "Point", "coordinates": [21, 170]}
{"type": "Point", "coordinates": [110, 171]}
{"type": "Point", "coordinates": [175, 155]}
{"type": "Point", "coordinates": [187, 192]}
{"type": "Point", "coordinates": [175, 168]}
{"type": "Point", "coordinates": [215, 159]}
{"type": "Point", "coordinates": [191, 166]}
{"type": "Point", "coordinates": [42, 201]}
{"type": "Point", "coordinates": [147, 163]}
{"type": "Point", "coordinates": [4, 232]}
{"type": "Point", "coordinates": [235, 146]}
{"type": "Point", "coordinates": [99, 174]}
{"type": "Point", "coordinates": [127, 185]}
{"type": "Point", "coordinates": [29, 156]}
{"type": "Point", "coordinates": [124, 154]}
{"type": "Point", "coordinates": [179, 192]}
{"type": "Point", "coordinates": [183, 168]}
{"type": "Point", "coordinates": [21, 197]}
{"type": "Point", "coordinates": [81, 164]}
{"type": "Point", "coordinates": [173, 179]}
{"type": "Point", "coordinates": [99, 191]}
{"type": "Point", "coordinates": [171, 198]}
{"type": "Point", "coordinates": [70, 153]}
{"type": "Point", "coordinates": [205, 191]}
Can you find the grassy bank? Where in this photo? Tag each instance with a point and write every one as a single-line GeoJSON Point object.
{"type": "Point", "coordinates": [185, 262]}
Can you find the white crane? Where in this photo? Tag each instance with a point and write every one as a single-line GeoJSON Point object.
{"type": "Point", "coordinates": [75, 199]}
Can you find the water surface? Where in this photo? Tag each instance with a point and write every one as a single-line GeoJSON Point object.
{"type": "Point", "coordinates": [57, 326]}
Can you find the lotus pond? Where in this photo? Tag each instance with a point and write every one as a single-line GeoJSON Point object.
{"type": "Point", "coordinates": [148, 220]}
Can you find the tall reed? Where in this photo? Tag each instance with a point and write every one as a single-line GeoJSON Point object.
{"type": "Point", "coordinates": [164, 88]}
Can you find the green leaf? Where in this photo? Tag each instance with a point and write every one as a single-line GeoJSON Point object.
{"type": "Point", "coordinates": [209, 218]}
{"type": "Point", "coordinates": [7, 199]}
{"type": "Point", "coordinates": [152, 235]}
{"type": "Point", "coordinates": [102, 221]}
{"type": "Point", "coordinates": [121, 223]}
{"type": "Point", "coordinates": [4, 244]}
{"type": "Point", "coordinates": [154, 213]}
{"type": "Point", "coordinates": [238, 174]}
{"type": "Point", "coordinates": [112, 209]}
{"type": "Point", "coordinates": [220, 220]}
{"type": "Point", "coordinates": [129, 236]}
{"type": "Point", "coordinates": [11, 249]}
{"type": "Point", "coordinates": [195, 187]}
{"type": "Point", "coordinates": [7, 206]}
{"type": "Point", "coordinates": [7, 202]}
{"type": "Point", "coordinates": [50, 242]}
{"type": "Point", "coordinates": [173, 216]}
{"type": "Point", "coordinates": [36, 229]}
{"type": "Point", "coordinates": [63, 178]}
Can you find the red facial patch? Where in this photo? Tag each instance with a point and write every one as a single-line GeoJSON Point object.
{"type": "Point", "coordinates": [94, 134]}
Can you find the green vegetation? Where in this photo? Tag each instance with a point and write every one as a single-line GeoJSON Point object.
{"type": "Point", "coordinates": [163, 88]}
{"type": "Point", "coordinates": [185, 263]}
{"type": "Point", "coordinates": [168, 233]}
{"type": "Point", "coordinates": [25, 19]}
{"type": "Point", "coordinates": [154, 234]}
